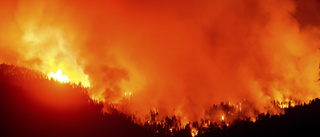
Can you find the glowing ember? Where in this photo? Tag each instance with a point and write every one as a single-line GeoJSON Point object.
{"type": "Point", "coordinates": [194, 132]}
{"type": "Point", "coordinates": [222, 117]}
{"type": "Point", "coordinates": [127, 93]}
{"type": "Point", "coordinates": [59, 76]}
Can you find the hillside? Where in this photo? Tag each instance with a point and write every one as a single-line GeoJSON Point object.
{"type": "Point", "coordinates": [32, 105]}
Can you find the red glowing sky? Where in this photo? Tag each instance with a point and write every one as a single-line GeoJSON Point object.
{"type": "Point", "coordinates": [180, 57]}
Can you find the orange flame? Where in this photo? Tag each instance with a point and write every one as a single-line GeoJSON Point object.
{"type": "Point", "coordinates": [59, 76]}
{"type": "Point", "coordinates": [196, 58]}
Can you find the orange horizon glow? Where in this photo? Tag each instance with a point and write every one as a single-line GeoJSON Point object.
{"type": "Point", "coordinates": [179, 57]}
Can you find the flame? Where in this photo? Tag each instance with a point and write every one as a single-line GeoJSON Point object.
{"type": "Point", "coordinates": [222, 117]}
{"type": "Point", "coordinates": [59, 76]}
{"type": "Point", "coordinates": [205, 60]}
{"type": "Point", "coordinates": [194, 132]}
{"type": "Point", "coordinates": [127, 94]}
{"type": "Point", "coordinates": [283, 104]}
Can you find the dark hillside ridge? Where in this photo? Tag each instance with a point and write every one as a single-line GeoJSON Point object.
{"type": "Point", "coordinates": [32, 105]}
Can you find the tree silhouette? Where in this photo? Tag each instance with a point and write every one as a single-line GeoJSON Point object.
{"type": "Point", "coordinates": [32, 105]}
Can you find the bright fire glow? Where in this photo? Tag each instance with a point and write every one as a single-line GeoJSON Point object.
{"type": "Point", "coordinates": [203, 59]}
{"type": "Point", "coordinates": [59, 76]}
{"type": "Point", "coordinates": [194, 132]}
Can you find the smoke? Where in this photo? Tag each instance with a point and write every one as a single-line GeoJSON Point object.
{"type": "Point", "coordinates": [177, 57]}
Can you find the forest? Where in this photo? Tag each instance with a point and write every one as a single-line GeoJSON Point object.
{"type": "Point", "coordinates": [33, 105]}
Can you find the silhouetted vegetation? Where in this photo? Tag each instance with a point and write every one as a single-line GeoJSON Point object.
{"type": "Point", "coordinates": [32, 105]}
{"type": "Point", "coordinates": [300, 120]}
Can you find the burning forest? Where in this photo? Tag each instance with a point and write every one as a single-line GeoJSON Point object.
{"type": "Point", "coordinates": [160, 68]}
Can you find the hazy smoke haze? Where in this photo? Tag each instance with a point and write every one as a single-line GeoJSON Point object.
{"type": "Point", "coordinates": [180, 57]}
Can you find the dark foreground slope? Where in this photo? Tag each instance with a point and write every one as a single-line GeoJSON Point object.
{"type": "Point", "coordinates": [31, 105]}
{"type": "Point", "coordinates": [302, 120]}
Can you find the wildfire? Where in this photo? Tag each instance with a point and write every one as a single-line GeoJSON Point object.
{"type": "Point", "coordinates": [127, 94]}
{"type": "Point", "coordinates": [286, 103]}
{"type": "Point", "coordinates": [59, 76]}
{"type": "Point", "coordinates": [194, 132]}
{"type": "Point", "coordinates": [202, 60]}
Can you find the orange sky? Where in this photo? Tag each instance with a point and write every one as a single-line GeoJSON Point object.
{"type": "Point", "coordinates": [180, 57]}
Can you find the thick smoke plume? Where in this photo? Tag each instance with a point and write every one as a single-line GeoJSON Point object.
{"type": "Point", "coordinates": [179, 57]}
